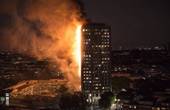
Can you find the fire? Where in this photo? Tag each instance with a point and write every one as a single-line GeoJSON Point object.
{"type": "Point", "coordinates": [76, 52]}
{"type": "Point", "coordinates": [78, 49]}
{"type": "Point", "coordinates": [51, 32]}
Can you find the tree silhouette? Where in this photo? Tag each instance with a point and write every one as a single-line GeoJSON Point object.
{"type": "Point", "coordinates": [106, 100]}
{"type": "Point", "coordinates": [70, 101]}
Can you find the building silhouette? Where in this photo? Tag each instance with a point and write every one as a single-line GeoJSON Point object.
{"type": "Point", "coordinates": [95, 72]}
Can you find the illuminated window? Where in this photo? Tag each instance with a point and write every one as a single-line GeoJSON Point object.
{"type": "Point", "coordinates": [96, 87]}
{"type": "Point", "coordinates": [96, 77]}
{"type": "Point", "coordinates": [86, 42]}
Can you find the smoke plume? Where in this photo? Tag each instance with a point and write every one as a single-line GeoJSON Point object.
{"type": "Point", "coordinates": [44, 29]}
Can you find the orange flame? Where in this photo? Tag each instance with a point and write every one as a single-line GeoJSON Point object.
{"type": "Point", "coordinates": [51, 32]}
{"type": "Point", "coordinates": [78, 49]}
{"type": "Point", "coordinates": [76, 58]}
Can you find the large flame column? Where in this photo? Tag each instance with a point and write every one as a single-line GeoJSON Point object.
{"type": "Point", "coordinates": [78, 48]}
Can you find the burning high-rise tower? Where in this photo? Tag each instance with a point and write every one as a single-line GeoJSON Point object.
{"type": "Point", "coordinates": [95, 71]}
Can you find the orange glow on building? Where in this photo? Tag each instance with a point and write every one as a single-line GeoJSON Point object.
{"type": "Point", "coordinates": [78, 49]}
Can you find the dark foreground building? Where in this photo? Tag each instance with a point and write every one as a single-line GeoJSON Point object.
{"type": "Point", "coordinates": [96, 60]}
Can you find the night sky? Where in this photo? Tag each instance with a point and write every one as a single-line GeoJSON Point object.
{"type": "Point", "coordinates": [135, 23]}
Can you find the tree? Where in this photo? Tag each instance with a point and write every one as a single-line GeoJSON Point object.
{"type": "Point", "coordinates": [106, 100]}
{"type": "Point", "coordinates": [69, 101]}
{"type": "Point", "coordinates": [65, 101]}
